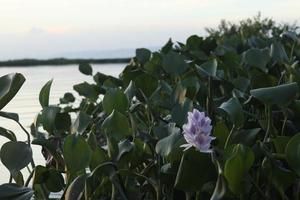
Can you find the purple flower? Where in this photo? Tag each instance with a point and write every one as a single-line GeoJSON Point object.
{"type": "Point", "coordinates": [197, 131]}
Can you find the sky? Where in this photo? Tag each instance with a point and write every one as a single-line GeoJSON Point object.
{"type": "Point", "coordinates": [54, 28]}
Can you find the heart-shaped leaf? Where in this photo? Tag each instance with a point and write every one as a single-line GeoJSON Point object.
{"type": "Point", "coordinates": [15, 155]}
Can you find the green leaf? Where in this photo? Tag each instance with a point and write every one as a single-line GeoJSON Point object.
{"type": "Point", "coordinates": [49, 118]}
{"type": "Point", "coordinates": [86, 69]}
{"type": "Point", "coordinates": [221, 133]}
{"type": "Point", "coordinates": [257, 58]}
{"type": "Point", "coordinates": [291, 35]}
{"type": "Point", "coordinates": [8, 134]}
{"type": "Point", "coordinates": [280, 143]}
{"type": "Point", "coordinates": [194, 42]}
{"type": "Point", "coordinates": [52, 179]}
{"type": "Point", "coordinates": [208, 68]}
{"type": "Point", "coordinates": [130, 91]}
{"type": "Point", "coordinates": [44, 94]}
{"type": "Point", "coordinates": [194, 171]}
{"type": "Point", "coordinates": [87, 90]}
{"type": "Point", "coordinates": [76, 188]}
{"type": "Point", "coordinates": [167, 47]}
{"type": "Point", "coordinates": [62, 122]}
{"type": "Point", "coordinates": [179, 111]}
{"type": "Point", "coordinates": [124, 146]}
{"type": "Point", "coordinates": [278, 53]}
{"type": "Point", "coordinates": [115, 99]}
{"type": "Point", "coordinates": [67, 98]}
{"type": "Point", "coordinates": [280, 95]}
{"type": "Point", "coordinates": [148, 88]}
{"type": "Point", "coordinates": [116, 125]}
{"type": "Point", "coordinates": [9, 87]}
{"type": "Point", "coordinates": [12, 116]}
{"type": "Point", "coordinates": [99, 156]}
{"type": "Point", "coordinates": [45, 143]}
{"type": "Point", "coordinates": [292, 152]}
{"type": "Point", "coordinates": [169, 147]}
{"type": "Point", "coordinates": [143, 55]}
{"type": "Point", "coordinates": [77, 153]}
{"type": "Point", "coordinates": [241, 83]}
{"type": "Point", "coordinates": [234, 110]}
{"type": "Point", "coordinates": [245, 136]}
{"type": "Point", "coordinates": [174, 63]}
{"type": "Point", "coordinates": [15, 155]}
{"type": "Point", "coordinates": [81, 123]}
{"type": "Point", "coordinates": [11, 191]}
{"type": "Point", "coordinates": [237, 166]}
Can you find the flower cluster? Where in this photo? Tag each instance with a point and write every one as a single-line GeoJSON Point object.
{"type": "Point", "coordinates": [197, 131]}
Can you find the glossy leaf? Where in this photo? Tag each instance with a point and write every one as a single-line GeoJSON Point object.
{"type": "Point", "coordinates": [49, 117]}
{"type": "Point", "coordinates": [208, 68]}
{"type": "Point", "coordinates": [174, 63]}
{"type": "Point", "coordinates": [81, 123]}
{"type": "Point", "coordinates": [76, 188]}
{"type": "Point", "coordinates": [9, 86]}
{"type": "Point", "coordinates": [77, 153]}
{"type": "Point", "coordinates": [115, 99]}
{"type": "Point", "coordinates": [234, 110]}
{"type": "Point", "coordinates": [8, 134]}
{"type": "Point", "coordinates": [169, 147]}
{"type": "Point", "coordinates": [45, 93]}
{"type": "Point", "coordinates": [280, 95]}
{"type": "Point", "coordinates": [11, 191]}
{"type": "Point", "coordinates": [121, 130]}
{"type": "Point", "coordinates": [12, 116]}
{"type": "Point", "coordinates": [15, 155]}
{"type": "Point", "coordinates": [237, 166]}
{"type": "Point", "coordinates": [257, 58]}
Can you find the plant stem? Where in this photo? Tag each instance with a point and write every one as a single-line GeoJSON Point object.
{"type": "Point", "coordinates": [283, 125]}
{"type": "Point", "coordinates": [28, 140]}
{"type": "Point", "coordinates": [269, 118]}
{"type": "Point", "coordinates": [10, 178]}
{"type": "Point", "coordinates": [229, 136]}
{"type": "Point", "coordinates": [29, 178]}
{"type": "Point", "coordinates": [292, 51]}
{"type": "Point", "coordinates": [209, 100]}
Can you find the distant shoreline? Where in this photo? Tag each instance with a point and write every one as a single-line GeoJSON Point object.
{"type": "Point", "coordinates": [59, 61]}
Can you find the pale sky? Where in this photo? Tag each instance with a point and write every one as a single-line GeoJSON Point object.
{"type": "Point", "coordinates": [47, 28]}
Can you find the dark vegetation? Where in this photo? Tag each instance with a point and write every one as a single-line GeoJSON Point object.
{"type": "Point", "coordinates": [122, 141]}
{"type": "Point", "coordinates": [60, 61]}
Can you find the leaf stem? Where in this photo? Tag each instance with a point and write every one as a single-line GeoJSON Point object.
{"type": "Point", "coordinates": [284, 123]}
{"type": "Point", "coordinates": [229, 136]}
{"type": "Point", "coordinates": [269, 118]}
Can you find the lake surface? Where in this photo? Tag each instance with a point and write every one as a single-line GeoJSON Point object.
{"type": "Point", "coordinates": [26, 102]}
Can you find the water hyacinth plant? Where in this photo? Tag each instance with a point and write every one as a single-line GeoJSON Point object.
{"type": "Point", "coordinates": [197, 131]}
{"type": "Point", "coordinates": [124, 138]}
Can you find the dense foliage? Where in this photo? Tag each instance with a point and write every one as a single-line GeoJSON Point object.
{"type": "Point", "coordinates": [122, 139]}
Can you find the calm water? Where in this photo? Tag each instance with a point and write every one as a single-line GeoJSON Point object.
{"type": "Point", "coordinates": [26, 102]}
